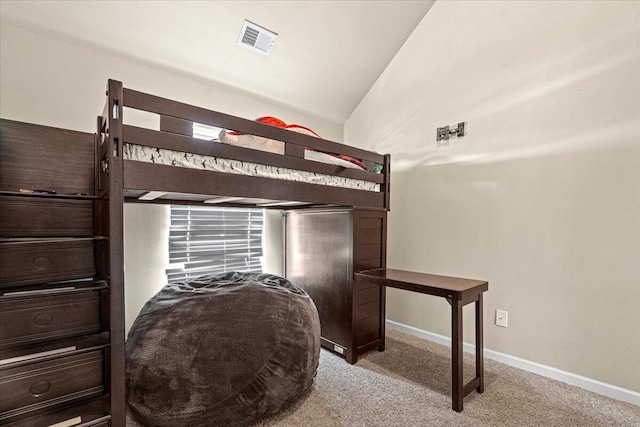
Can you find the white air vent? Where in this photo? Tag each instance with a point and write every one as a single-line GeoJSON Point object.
{"type": "Point", "coordinates": [256, 38]}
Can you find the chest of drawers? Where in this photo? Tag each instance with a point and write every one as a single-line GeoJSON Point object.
{"type": "Point", "coordinates": [54, 298]}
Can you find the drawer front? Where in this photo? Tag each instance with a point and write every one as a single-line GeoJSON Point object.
{"type": "Point", "coordinates": [42, 384]}
{"type": "Point", "coordinates": [35, 156]}
{"type": "Point", "coordinates": [368, 310]}
{"type": "Point", "coordinates": [367, 295]}
{"type": "Point", "coordinates": [56, 421]}
{"type": "Point", "coordinates": [44, 318]}
{"type": "Point", "coordinates": [369, 240]}
{"type": "Point", "coordinates": [367, 330]}
{"type": "Point", "coordinates": [25, 263]}
{"type": "Point", "coordinates": [36, 217]}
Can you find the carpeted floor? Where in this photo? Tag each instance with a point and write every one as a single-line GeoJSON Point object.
{"type": "Point", "coordinates": [409, 385]}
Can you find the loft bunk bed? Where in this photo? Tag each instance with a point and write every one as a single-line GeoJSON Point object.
{"type": "Point", "coordinates": [62, 196]}
{"type": "Point", "coordinates": [351, 315]}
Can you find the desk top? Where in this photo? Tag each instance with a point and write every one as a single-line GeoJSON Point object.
{"type": "Point", "coordinates": [444, 286]}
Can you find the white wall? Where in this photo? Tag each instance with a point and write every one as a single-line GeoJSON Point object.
{"type": "Point", "coordinates": [60, 84]}
{"type": "Point", "coordinates": [542, 197]}
{"type": "Point", "coordinates": [146, 230]}
{"type": "Point", "coordinates": [273, 242]}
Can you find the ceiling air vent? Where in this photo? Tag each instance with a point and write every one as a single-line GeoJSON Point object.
{"type": "Point", "coordinates": [256, 38]}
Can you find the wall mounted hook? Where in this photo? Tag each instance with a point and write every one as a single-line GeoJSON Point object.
{"type": "Point", "coordinates": [443, 133]}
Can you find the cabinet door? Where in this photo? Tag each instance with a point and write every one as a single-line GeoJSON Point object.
{"type": "Point", "coordinates": [319, 257]}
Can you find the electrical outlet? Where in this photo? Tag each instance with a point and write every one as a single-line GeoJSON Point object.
{"type": "Point", "coordinates": [502, 318]}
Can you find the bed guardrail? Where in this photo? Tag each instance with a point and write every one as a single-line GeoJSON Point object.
{"type": "Point", "coordinates": [175, 133]}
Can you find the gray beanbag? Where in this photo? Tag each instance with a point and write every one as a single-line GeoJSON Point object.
{"type": "Point", "coordinates": [224, 350]}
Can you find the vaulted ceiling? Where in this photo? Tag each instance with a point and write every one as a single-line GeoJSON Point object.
{"type": "Point", "coordinates": [326, 57]}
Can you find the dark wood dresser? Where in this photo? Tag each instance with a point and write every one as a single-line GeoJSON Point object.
{"type": "Point", "coordinates": [54, 285]}
{"type": "Point", "coordinates": [323, 249]}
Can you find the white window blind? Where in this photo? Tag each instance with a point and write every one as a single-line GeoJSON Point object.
{"type": "Point", "coordinates": [211, 240]}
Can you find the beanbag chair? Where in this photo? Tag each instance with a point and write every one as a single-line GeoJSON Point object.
{"type": "Point", "coordinates": [223, 350]}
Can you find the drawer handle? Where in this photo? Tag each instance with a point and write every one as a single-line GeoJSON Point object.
{"type": "Point", "coordinates": [40, 388]}
{"type": "Point", "coordinates": [41, 262]}
{"type": "Point", "coordinates": [42, 319]}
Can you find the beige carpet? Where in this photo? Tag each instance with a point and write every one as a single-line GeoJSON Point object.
{"type": "Point", "coordinates": [409, 385]}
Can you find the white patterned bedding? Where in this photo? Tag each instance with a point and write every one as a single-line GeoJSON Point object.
{"type": "Point", "coordinates": [197, 161]}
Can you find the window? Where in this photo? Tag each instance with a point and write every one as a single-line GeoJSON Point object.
{"type": "Point", "coordinates": [211, 240]}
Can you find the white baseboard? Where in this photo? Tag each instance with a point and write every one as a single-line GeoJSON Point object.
{"type": "Point", "coordinates": [595, 386]}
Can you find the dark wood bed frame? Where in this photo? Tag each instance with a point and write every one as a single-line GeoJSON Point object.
{"type": "Point", "coordinates": [184, 184]}
{"type": "Point", "coordinates": [114, 181]}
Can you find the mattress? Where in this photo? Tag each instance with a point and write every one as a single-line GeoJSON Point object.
{"type": "Point", "coordinates": [197, 161]}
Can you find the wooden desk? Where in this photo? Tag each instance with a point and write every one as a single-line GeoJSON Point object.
{"type": "Point", "coordinates": [458, 292]}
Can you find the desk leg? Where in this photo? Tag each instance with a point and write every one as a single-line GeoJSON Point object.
{"type": "Point", "coordinates": [457, 377]}
{"type": "Point", "coordinates": [479, 346]}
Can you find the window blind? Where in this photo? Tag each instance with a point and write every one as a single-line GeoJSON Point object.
{"type": "Point", "coordinates": [210, 240]}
